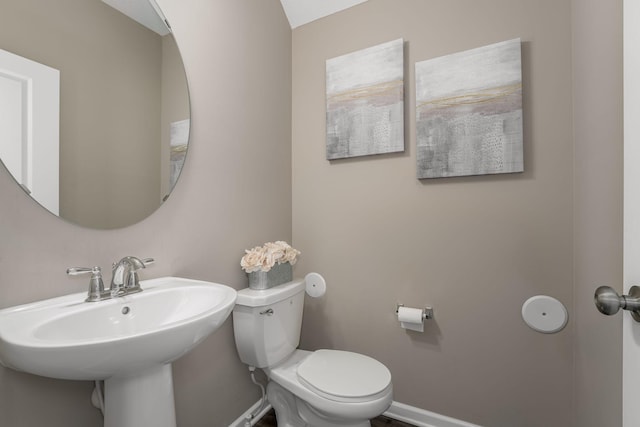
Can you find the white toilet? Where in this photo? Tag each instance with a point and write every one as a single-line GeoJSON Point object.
{"type": "Point", "coordinates": [324, 388]}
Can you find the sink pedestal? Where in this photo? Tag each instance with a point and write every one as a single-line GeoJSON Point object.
{"type": "Point", "coordinates": [144, 399]}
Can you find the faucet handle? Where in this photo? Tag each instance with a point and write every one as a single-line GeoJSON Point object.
{"type": "Point", "coordinates": [148, 261]}
{"type": "Point", "coordinates": [96, 285]}
{"type": "Point", "coordinates": [76, 271]}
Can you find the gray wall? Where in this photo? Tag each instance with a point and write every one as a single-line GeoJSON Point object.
{"type": "Point", "coordinates": [474, 248]}
{"type": "Point", "coordinates": [234, 193]}
{"type": "Point", "coordinates": [598, 160]}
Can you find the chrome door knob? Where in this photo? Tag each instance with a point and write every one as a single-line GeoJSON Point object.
{"type": "Point", "coordinates": [609, 302]}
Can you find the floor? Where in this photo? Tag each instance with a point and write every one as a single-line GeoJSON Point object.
{"type": "Point", "coordinates": [269, 420]}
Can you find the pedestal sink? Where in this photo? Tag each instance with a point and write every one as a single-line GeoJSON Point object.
{"type": "Point", "coordinates": [128, 341]}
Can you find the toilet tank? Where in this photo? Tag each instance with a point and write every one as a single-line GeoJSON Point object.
{"type": "Point", "coordinates": [267, 323]}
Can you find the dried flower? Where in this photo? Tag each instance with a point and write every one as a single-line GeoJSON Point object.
{"type": "Point", "coordinates": [263, 258]}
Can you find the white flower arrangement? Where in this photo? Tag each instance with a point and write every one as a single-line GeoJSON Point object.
{"type": "Point", "coordinates": [263, 258]}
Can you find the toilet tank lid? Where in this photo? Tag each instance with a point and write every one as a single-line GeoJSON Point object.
{"type": "Point", "coordinates": [257, 298]}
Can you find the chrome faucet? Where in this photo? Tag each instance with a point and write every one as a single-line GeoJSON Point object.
{"type": "Point", "coordinates": [124, 279]}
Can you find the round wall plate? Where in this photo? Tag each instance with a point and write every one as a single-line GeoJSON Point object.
{"type": "Point", "coordinates": [315, 286]}
{"type": "Point", "coordinates": [545, 314]}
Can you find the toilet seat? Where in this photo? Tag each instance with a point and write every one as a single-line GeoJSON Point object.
{"type": "Point", "coordinates": [286, 375]}
{"type": "Point", "coordinates": [344, 376]}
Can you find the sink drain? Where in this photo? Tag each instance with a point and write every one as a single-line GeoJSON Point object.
{"type": "Point", "coordinates": [125, 310]}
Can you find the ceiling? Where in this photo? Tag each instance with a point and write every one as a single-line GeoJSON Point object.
{"type": "Point", "coordinates": [146, 13]}
{"type": "Point", "coordinates": [300, 12]}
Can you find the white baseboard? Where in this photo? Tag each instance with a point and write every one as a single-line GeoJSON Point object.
{"type": "Point", "coordinates": [398, 411]}
{"type": "Point", "coordinates": [422, 418]}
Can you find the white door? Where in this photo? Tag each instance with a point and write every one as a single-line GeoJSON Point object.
{"type": "Point", "coordinates": [29, 126]}
{"type": "Point", "coordinates": [631, 270]}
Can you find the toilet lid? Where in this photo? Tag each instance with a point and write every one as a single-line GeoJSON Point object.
{"type": "Point", "coordinates": [343, 374]}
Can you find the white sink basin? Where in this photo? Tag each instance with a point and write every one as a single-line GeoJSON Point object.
{"type": "Point", "coordinates": [137, 335]}
{"type": "Point", "coordinates": [68, 338]}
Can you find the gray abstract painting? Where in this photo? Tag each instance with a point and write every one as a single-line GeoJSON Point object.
{"type": "Point", "coordinates": [469, 112]}
{"type": "Point", "coordinates": [365, 102]}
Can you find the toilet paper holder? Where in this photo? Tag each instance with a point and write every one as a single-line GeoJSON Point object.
{"type": "Point", "coordinates": [427, 312]}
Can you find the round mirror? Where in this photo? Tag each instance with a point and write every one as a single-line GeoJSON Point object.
{"type": "Point", "coordinates": [94, 107]}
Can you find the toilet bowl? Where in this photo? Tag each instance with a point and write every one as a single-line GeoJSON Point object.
{"type": "Point", "coordinates": [322, 388]}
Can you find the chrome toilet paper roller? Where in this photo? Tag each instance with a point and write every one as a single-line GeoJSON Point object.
{"type": "Point", "coordinates": [413, 318]}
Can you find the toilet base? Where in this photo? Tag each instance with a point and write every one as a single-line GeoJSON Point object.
{"type": "Point", "coordinates": [292, 411]}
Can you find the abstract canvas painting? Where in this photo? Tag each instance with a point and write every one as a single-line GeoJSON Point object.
{"type": "Point", "coordinates": [469, 112]}
{"type": "Point", "coordinates": [178, 142]}
{"type": "Point", "coordinates": [365, 102]}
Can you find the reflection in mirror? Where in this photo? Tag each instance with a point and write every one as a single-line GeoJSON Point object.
{"type": "Point", "coordinates": [123, 117]}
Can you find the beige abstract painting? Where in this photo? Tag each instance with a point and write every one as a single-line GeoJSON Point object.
{"type": "Point", "coordinates": [469, 112]}
{"type": "Point", "coordinates": [365, 102]}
